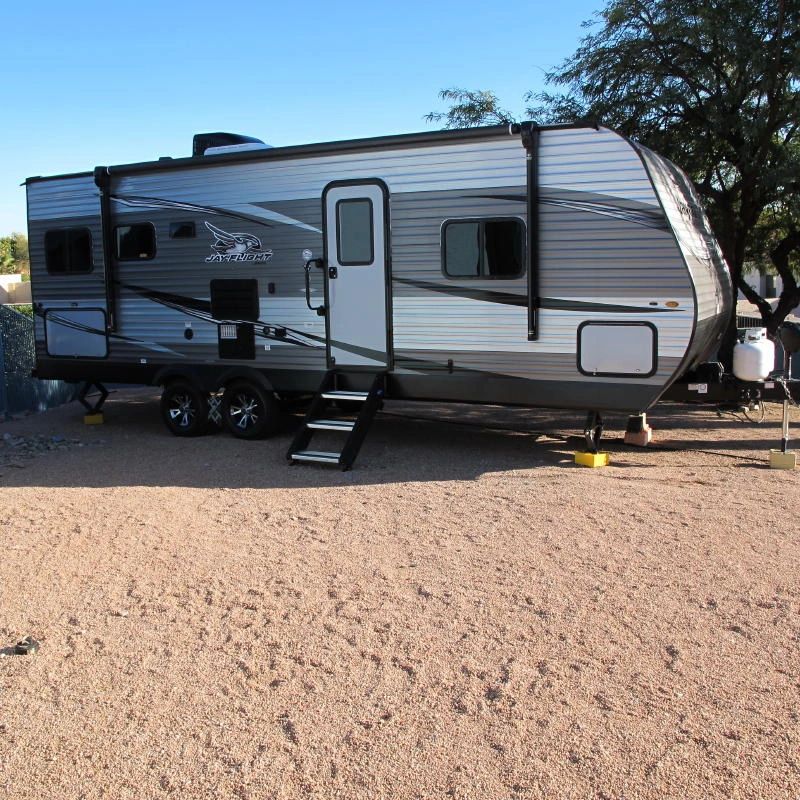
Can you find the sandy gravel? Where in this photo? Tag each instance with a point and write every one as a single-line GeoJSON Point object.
{"type": "Point", "coordinates": [465, 615]}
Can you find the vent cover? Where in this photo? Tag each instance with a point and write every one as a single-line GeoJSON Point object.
{"type": "Point", "coordinates": [204, 141]}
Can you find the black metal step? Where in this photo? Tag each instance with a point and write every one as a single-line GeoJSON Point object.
{"type": "Point", "coordinates": [321, 456]}
{"type": "Point", "coordinates": [331, 424]}
{"type": "Point", "coordinates": [356, 429]}
{"type": "Point", "coordinates": [345, 394]}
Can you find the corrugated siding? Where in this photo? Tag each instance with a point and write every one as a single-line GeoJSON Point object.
{"type": "Point", "coordinates": [589, 252]}
{"type": "Point", "coordinates": [66, 197]}
{"type": "Point", "coordinates": [55, 204]}
{"type": "Point", "coordinates": [478, 164]}
{"type": "Point", "coordinates": [589, 160]}
{"type": "Point", "coordinates": [710, 274]}
{"type": "Point", "coordinates": [696, 239]}
{"type": "Point", "coordinates": [586, 255]}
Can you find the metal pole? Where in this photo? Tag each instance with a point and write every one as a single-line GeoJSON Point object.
{"type": "Point", "coordinates": [787, 361]}
{"type": "Point", "coordinates": [3, 399]}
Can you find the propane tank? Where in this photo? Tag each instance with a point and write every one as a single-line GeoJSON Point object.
{"type": "Point", "coordinates": [754, 358]}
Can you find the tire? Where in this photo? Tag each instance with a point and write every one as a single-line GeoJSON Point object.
{"type": "Point", "coordinates": [250, 411]}
{"type": "Point", "coordinates": [184, 409]}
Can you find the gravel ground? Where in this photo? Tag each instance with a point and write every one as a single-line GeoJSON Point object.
{"type": "Point", "coordinates": [465, 615]}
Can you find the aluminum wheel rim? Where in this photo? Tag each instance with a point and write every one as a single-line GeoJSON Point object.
{"type": "Point", "coordinates": [182, 411]}
{"type": "Point", "coordinates": [244, 411]}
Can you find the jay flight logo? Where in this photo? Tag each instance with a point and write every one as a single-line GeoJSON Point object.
{"type": "Point", "coordinates": [242, 247]}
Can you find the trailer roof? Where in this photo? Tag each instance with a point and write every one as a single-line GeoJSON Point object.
{"type": "Point", "coordinates": [299, 151]}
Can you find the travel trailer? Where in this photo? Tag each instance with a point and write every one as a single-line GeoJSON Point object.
{"type": "Point", "coordinates": [557, 266]}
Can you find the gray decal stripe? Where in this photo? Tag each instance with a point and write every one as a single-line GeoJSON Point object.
{"type": "Point", "coordinates": [425, 366]}
{"type": "Point", "coordinates": [612, 308]}
{"type": "Point", "coordinates": [649, 219]}
{"type": "Point", "coordinates": [167, 298]}
{"type": "Point", "coordinates": [78, 326]}
{"type": "Point", "coordinates": [506, 298]}
{"type": "Point", "coordinates": [201, 309]}
{"type": "Point", "coordinates": [517, 198]}
{"type": "Point", "coordinates": [366, 352]}
{"type": "Point", "coordinates": [260, 216]}
{"type": "Point", "coordinates": [156, 202]}
{"type": "Point", "coordinates": [485, 295]}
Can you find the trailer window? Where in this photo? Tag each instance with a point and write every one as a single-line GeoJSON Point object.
{"type": "Point", "coordinates": [483, 248]}
{"type": "Point", "coordinates": [68, 250]}
{"type": "Point", "coordinates": [135, 242]}
{"type": "Point", "coordinates": [354, 234]}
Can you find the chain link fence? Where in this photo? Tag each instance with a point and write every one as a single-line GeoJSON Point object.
{"type": "Point", "coordinates": [19, 392]}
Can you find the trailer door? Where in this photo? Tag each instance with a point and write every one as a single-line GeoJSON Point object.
{"type": "Point", "coordinates": [356, 244]}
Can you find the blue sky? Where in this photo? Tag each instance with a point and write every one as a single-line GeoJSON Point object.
{"type": "Point", "coordinates": [88, 83]}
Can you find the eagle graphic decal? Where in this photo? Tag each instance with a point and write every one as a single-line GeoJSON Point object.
{"type": "Point", "coordinates": [241, 247]}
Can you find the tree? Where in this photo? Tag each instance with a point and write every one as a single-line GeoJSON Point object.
{"type": "Point", "coordinates": [21, 255]}
{"type": "Point", "coordinates": [7, 262]}
{"type": "Point", "coordinates": [14, 254]}
{"type": "Point", "coordinates": [714, 85]}
{"type": "Point", "coordinates": [775, 248]}
{"type": "Point", "coordinates": [470, 108]}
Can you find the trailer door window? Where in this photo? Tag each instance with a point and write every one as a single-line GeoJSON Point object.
{"type": "Point", "coordinates": [483, 248]}
{"type": "Point", "coordinates": [135, 242]}
{"type": "Point", "coordinates": [68, 250]}
{"type": "Point", "coordinates": [354, 234]}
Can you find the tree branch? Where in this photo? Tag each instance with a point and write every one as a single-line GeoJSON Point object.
{"type": "Point", "coordinates": [756, 299]}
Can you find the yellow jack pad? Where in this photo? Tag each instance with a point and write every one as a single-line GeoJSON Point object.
{"type": "Point", "coordinates": [93, 419]}
{"type": "Point", "coordinates": [591, 459]}
{"type": "Point", "coordinates": [780, 460]}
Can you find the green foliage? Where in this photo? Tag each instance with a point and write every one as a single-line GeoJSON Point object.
{"type": "Point", "coordinates": [7, 261]}
{"type": "Point", "coordinates": [14, 254]}
{"type": "Point", "coordinates": [469, 109]}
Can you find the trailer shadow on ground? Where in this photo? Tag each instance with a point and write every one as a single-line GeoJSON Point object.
{"type": "Point", "coordinates": [408, 442]}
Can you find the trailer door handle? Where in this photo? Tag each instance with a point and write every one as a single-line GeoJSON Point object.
{"type": "Point", "coordinates": [316, 262]}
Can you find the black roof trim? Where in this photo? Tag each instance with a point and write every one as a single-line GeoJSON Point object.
{"type": "Point", "coordinates": [321, 148]}
{"type": "Point", "coordinates": [65, 176]}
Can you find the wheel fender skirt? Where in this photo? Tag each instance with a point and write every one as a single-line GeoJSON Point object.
{"type": "Point", "coordinates": [245, 374]}
{"type": "Point", "coordinates": [184, 373]}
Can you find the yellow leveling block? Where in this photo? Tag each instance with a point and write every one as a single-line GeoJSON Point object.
{"type": "Point", "coordinates": [780, 460]}
{"type": "Point", "coordinates": [591, 459]}
{"type": "Point", "coordinates": [93, 419]}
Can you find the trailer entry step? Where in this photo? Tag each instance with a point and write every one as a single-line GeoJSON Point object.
{"type": "Point", "coordinates": [316, 455]}
{"type": "Point", "coordinates": [332, 424]}
{"type": "Point", "coordinates": [345, 395]}
{"type": "Point", "coordinates": [333, 387]}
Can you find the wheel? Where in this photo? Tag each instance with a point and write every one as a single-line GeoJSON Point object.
{"type": "Point", "coordinates": [184, 409]}
{"type": "Point", "coordinates": [249, 410]}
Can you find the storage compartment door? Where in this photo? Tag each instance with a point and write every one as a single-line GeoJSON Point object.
{"type": "Point", "coordinates": [617, 349]}
{"type": "Point", "coordinates": [76, 332]}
